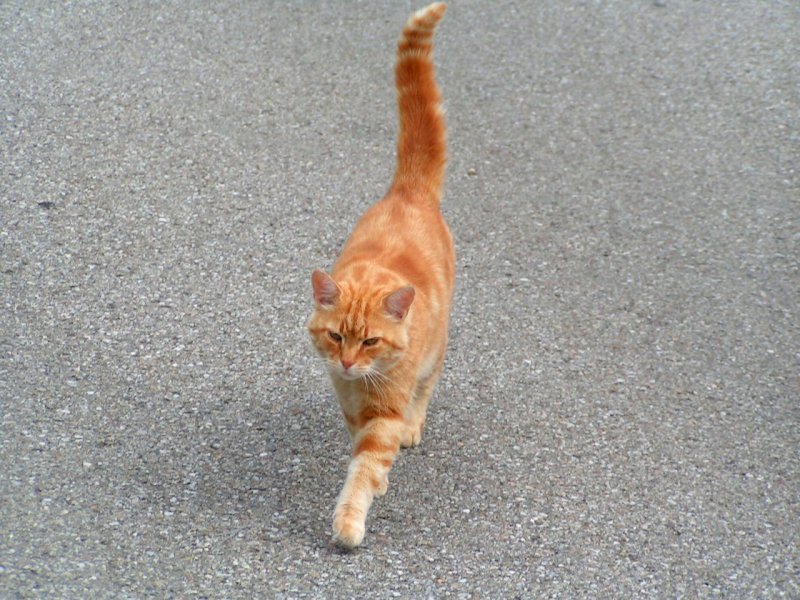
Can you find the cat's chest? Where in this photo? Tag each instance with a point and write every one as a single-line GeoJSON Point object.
{"type": "Point", "coordinates": [350, 394]}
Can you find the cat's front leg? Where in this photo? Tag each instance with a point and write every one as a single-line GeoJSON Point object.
{"type": "Point", "coordinates": [376, 447]}
{"type": "Point", "coordinates": [417, 409]}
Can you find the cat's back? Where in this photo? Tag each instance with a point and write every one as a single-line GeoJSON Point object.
{"type": "Point", "coordinates": [405, 235]}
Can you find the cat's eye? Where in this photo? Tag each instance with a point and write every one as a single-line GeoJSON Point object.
{"type": "Point", "coordinates": [371, 341]}
{"type": "Point", "coordinates": [335, 336]}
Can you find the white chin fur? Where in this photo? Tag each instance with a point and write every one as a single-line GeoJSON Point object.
{"type": "Point", "coordinates": [350, 375]}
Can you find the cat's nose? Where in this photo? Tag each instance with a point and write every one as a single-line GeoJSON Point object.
{"type": "Point", "coordinates": [347, 363]}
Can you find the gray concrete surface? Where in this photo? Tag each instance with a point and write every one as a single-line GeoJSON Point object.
{"type": "Point", "coordinates": [619, 413]}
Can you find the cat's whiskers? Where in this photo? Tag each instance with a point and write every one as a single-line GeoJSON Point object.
{"type": "Point", "coordinates": [386, 382]}
{"type": "Point", "coordinates": [382, 382]}
{"type": "Point", "coordinates": [370, 379]}
{"type": "Point", "coordinates": [329, 364]}
{"type": "Point", "coordinates": [380, 376]}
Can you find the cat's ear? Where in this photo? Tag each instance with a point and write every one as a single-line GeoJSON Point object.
{"type": "Point", "coordinates": [325, 289]}
{"type": "Point", "coordinates": [399, 301]}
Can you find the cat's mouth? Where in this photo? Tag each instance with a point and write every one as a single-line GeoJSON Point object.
{"type": "Point", "coordinates": [350, 374]}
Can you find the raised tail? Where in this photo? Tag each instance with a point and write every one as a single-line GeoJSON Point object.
{"type": "Point", "coordinates": [421, 143]}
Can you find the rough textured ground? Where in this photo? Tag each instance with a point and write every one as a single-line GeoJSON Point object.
{"type": "Point", "coordinates": [619, 413]}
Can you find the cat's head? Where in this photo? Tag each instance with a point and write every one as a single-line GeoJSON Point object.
{"type": "Point", "coordinates": [361, 330]}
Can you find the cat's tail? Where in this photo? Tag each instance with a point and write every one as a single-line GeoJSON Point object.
{"type": "Point", "coordinates": [421, 143]}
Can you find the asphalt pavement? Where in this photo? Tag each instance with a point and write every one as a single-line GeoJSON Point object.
{"type": "Point", "coordinates": [619, 414]}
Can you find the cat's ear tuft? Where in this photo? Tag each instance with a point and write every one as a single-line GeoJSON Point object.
{"type": "Point", "coordinates": [399, 301]}
{"type": "Point", "coordinates": [325, 289]}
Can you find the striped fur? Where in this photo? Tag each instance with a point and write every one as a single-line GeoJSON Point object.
{"type": "Point", "coordinates": [381, 316]}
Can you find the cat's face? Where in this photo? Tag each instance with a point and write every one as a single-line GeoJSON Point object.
{"type": "Point", "coordinates": [360, 332]}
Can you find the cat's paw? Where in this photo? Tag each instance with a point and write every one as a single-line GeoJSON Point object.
{"type": "Point", "coordinates": [412, 435]}
{"type": "Point", "coordinates": [383, 486]}
{"type": "Point", "coordinates": [348, 529]}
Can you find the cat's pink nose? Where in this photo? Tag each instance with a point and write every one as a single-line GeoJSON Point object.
{"type": "Point", "coordinates": [347, 363]}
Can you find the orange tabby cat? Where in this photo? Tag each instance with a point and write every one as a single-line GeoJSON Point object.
{"type": "Point", "coordinates": [380, 317]}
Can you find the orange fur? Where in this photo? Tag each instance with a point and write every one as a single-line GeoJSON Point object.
{"type": "Point", "coordinates": [381, 316]}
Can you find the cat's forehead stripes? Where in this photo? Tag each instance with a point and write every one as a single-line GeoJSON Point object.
{"type": "Point", "coordinates": [354, 320]}
{"type": "Point", "coordinates": [357, 309]}
{"type": "Point", "coordinates": [354, 317]}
